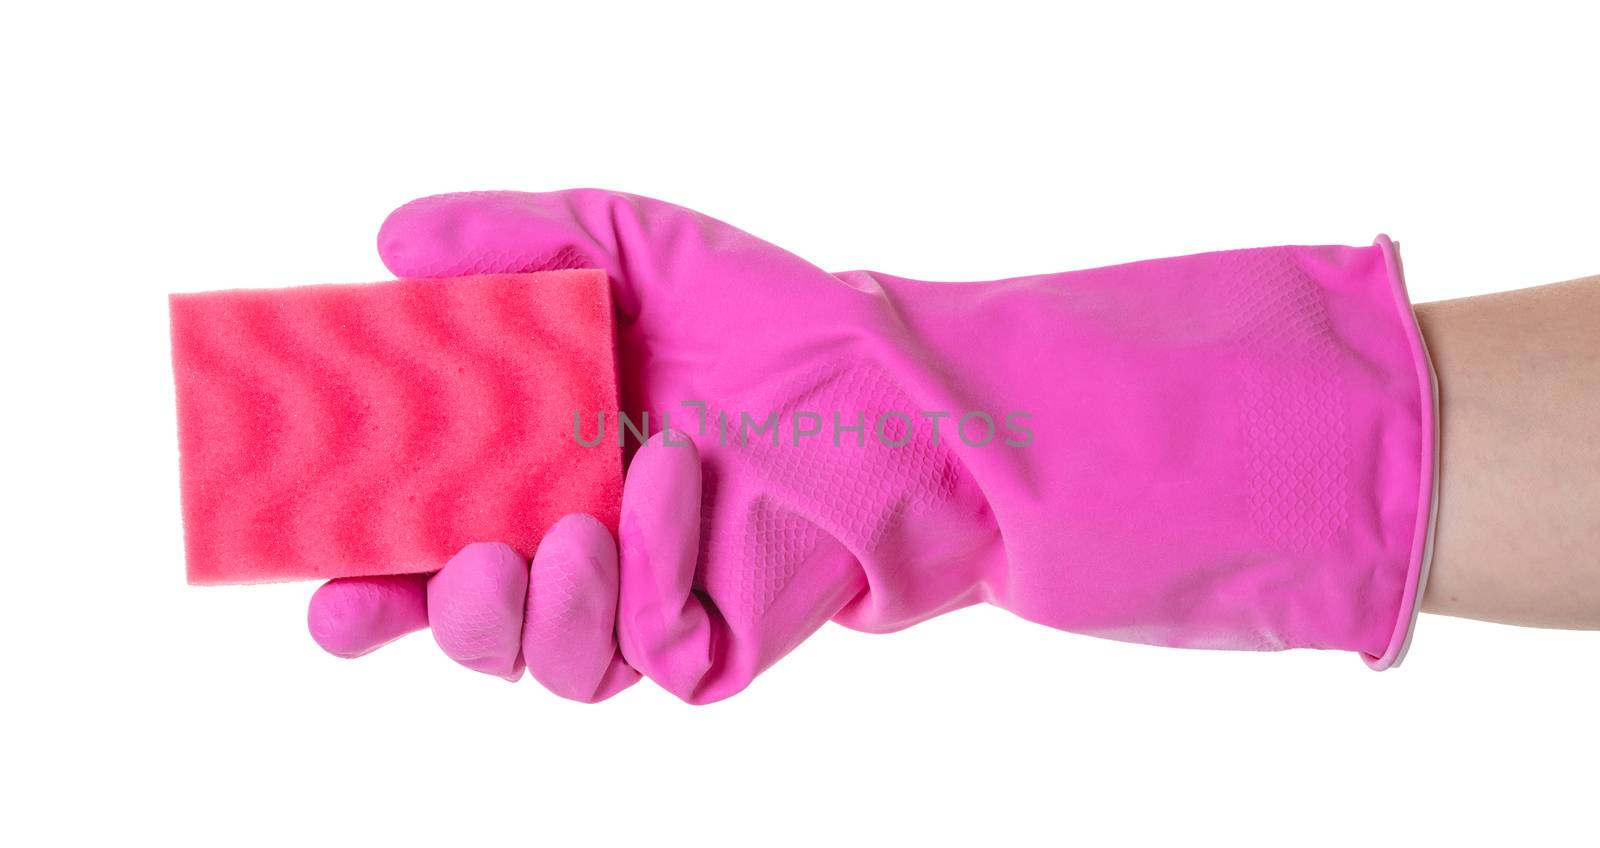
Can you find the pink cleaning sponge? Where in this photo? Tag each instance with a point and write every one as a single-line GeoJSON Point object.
{"type": "Point", "coordinates": [334, 431]}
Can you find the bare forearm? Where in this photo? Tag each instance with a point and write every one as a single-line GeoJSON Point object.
{"type": "Point", "coordinates": [1518, 533]}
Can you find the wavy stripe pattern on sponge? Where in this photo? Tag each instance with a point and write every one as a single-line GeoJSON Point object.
{"type": "Point", "coordinates": [332, 431]}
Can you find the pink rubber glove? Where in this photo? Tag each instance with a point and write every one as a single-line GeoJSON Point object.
{"type": "Point", "coordinates": [1227, 450]}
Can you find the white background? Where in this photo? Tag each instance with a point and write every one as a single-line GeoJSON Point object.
{"type": "Point", "coordinates": [156, 149]}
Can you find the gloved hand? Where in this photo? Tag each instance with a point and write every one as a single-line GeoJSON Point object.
{"type": "Point", "coordinates": [1226, 450]}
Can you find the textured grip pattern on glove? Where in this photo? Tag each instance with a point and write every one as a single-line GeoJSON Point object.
{"type": "Point", "coordinates": [1299, 445]}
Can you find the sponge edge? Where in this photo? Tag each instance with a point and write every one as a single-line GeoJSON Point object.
{"type": "Point", "coordinates": [345, 430]}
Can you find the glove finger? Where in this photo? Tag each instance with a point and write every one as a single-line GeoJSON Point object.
{"type": "Point", "coordinates": [569, 639]}
{"type": "Point", "coordinates": [650, 249]}
{"type": "Point", "coordinates": [475, 608]}
{"type": "Point", "coordinates": [663, 627]}
{"type": "Point", "coordinates": [491, 232]}
{"type": "Point", "coordinates": [353, 616]}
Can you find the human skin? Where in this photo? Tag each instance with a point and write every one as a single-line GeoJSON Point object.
{"type": "Point", "coordinates": [1517, 538]}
